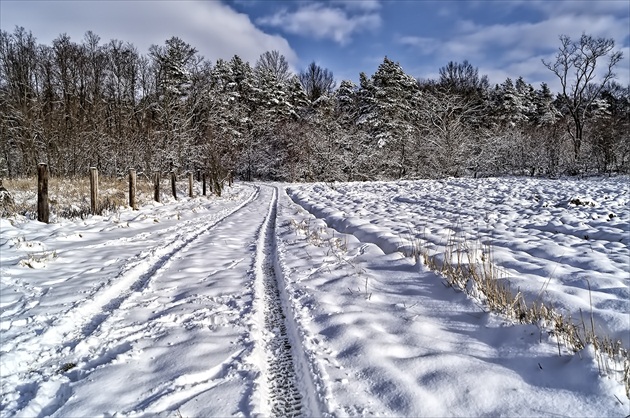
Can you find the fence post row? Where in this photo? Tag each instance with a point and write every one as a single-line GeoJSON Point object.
{"type": "Point", "coordinates": [43, 208]}
{"type": "Point", "coordinates": [43, 211]}
{"type": "Point", "coordinates": [94, 190]}
{"type": "Point", "coordinates": [132, 189]}
{"type": "Point", "coordinates": [173, 189]}
{"type": "Point", "coordinates": [156, 187]}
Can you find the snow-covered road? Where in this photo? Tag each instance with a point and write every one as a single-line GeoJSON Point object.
{"type": "Point", "coordinates": [249, 305]}
{"type": "Point", "coordinates": [170, 324]}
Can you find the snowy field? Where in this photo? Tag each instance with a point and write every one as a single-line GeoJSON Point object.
{"type": "Point", "coordinates": [252, 305]}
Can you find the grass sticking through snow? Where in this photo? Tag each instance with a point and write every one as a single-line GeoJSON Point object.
{"type": "Point", "coordinates": [473, 272]}
{"type": "Point", "coordinates": [70, 197]}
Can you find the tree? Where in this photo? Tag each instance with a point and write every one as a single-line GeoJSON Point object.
{"type": "Point", "coordinates": [514, 102]}
{"type": "Point", "coordinates": [19, 109]}
{"type": "Point", "coordinates": [274, 63]}
{"type": "Point", "coordinates": [317, 81]}
{"type": "Point", "coordinates": [387, 106]}
{"type": "Point", "coordinates": [174, 61]}
{"type": "Point", "coordinates": [545, 112]}
{"type": "Point", "coordinates": [611, 128]}
{"type": "Point", "coordinates": [544, 130]}
{"type": "Point", "coordinates": [442, 120]}
{"type": "Point", "coordinates": [575, 65]}
{"type": "Point", "coordinates": [174, 64]}
{"type": "Point", "coordinates": [462, 78]}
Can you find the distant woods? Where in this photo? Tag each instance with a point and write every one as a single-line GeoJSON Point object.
{"type": "Point", "coordinates": [74, 105]}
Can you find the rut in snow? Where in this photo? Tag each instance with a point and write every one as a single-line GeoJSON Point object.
{"type": "Point", "coordinates": [285, 398]}
{"type": "Point", "coordinates": [84, 319]}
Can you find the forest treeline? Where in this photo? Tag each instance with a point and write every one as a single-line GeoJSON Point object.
{"type": "Point", "coordinates": [79, 104]}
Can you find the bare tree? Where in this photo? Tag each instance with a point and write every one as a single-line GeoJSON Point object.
{"type": "Point", "coordinates": [442, 123]}
{"type": "Point", "coordinates": [317, 81]}
{"type": "Point", "coordinates": [276, 64]}
{"type": "Point", "coordinates": [462, 78]}
{"type": "Point", "coordinates": [19, 108]}
{"type": "Point", "coordinates": [575, 65]}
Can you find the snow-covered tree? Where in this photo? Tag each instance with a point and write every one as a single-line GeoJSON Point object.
{"type": "Point", "coordinates": [174, 61]}
{"type": "Point", "coordinates": [450, 143]}
{"type": "Point", "coordinates": [610, 129]}
{"type": "Point", "coordinates": [387, 111]}
{"type": "Point", "coordinates": [514, 103]}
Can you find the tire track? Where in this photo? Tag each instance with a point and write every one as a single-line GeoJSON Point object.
{"type": "Point", "coordinates": [85, 318]}
{"type": "Point", "coordinates": [140, 272]}
{"type": "Point", "coordinates": [286, 396]}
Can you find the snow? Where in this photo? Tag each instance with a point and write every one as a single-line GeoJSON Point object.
{"type": "Point", "coordinates": [300, 299]}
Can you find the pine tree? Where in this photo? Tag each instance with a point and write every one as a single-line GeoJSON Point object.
{"type": "Point", "coordinates": [387, 102]}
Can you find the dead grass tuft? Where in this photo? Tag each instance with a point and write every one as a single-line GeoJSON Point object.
{"type": "Point", "coordinates": [469, 270]}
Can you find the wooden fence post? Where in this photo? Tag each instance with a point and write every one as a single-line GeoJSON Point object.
{"type": "Point", "coordinates": [203, 184]}
{"type": "Point", "coordinates": [43, 211]}
{"type": "Point", "coordinates": [173, 189]}
{"type": "Point", "coordinates": [94, 190]}
{"type": "Point", "coordinates": [156, 187]}
{"type": "Point", "coordinates": [217, 186]}
{"type": "Point", "coordinates": [190, 184]}
{"type": "Point", "coordinates": [132, 189]}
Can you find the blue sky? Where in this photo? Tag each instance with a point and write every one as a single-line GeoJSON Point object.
{"type": "Point", "coordinates": [502, 38]}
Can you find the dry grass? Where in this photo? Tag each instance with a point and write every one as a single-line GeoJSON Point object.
{"type": "Point", "coordinates": [70, 197]}
{"type": "Point", "coordinates": [335, 246]}
{"type": "Point", "coordinates": [467, 269]}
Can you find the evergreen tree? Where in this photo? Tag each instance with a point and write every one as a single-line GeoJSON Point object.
{"type": "Point", "coordinates": [388, 112]}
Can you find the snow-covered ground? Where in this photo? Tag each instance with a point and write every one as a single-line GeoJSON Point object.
{"type": "Point", "coordinates": [250, 304]}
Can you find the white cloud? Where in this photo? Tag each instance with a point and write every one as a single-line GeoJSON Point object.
{"type": "Point", "coordinates": [425, 45]}
{"type": "Point", "coordinates": [322, 22]}
{"type": "Point", "coordinates": [554, 8]}
{"type": "Point", "coordinates": [516, 49]}
{"type": "Point", "coordinates": [360, 5]}
{"type": "Point", "coordinates": [215, 29]}
{"type": "Point", "coordinates": [544, 34]}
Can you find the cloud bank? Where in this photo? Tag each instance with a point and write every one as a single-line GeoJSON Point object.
{"type": "Point", "coordinates": [321, 21]}
{"type": "Point", "coordinates": [516, 49]}
{"type": "Point", "coordinates": [215, 29]}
